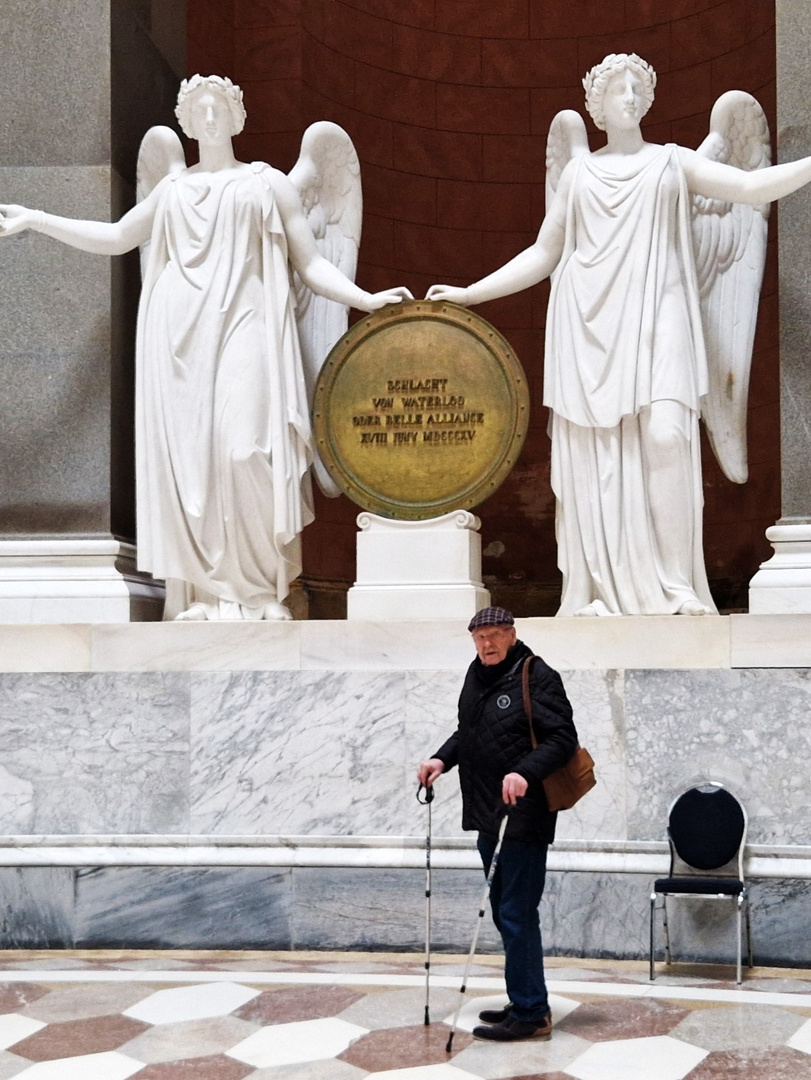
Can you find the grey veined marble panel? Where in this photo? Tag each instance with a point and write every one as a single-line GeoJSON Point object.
{"type": "Point", "coordinates": [371, 909]}
{"type": "Point", "coordinates": [36, 908]}
{"type": "Point", "coordinates": [598, 705]}
{"type": "Point", "coordinates": [320, 908]}
{"type": "Point", "coordinates": [293, 752]}
{"type": "Point", "coordinates": [431, 717]}
{"type": "Point", "coordinates": [188, 908]}
{"type": "Point", "coordinates": [94, 753]}
{"type": "Point", "coordinates": [746, 728]}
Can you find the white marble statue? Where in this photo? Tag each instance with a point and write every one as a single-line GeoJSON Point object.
{"type": "Point", "coordinates": [656, 258]}
{"type": "Point", "coordinates": [223, 437]}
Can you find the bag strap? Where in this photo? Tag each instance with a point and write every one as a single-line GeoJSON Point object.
{"type": "Point", "coordinates": [528, 699]}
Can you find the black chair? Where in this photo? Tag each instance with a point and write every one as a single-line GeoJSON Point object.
{"type": "Point", "coordinates": [706, 829]}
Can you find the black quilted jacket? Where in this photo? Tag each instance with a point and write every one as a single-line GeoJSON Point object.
{"type": "Point", "coordinates": [493, 739]}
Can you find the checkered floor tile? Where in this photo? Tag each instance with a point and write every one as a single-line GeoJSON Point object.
{"type": "Point", "coordinates": [311, 1016]}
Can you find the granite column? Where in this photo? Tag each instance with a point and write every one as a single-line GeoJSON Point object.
{"type": "Point", "coordinates": [81, 81]}
{"type": "Point", "coordinates": [783, 584]}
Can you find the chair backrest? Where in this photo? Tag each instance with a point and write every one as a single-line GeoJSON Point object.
{"type": "Point", "coordinates": [707, 826]}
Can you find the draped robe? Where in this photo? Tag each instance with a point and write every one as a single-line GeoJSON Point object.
{"type": "Point", "coordinates": [223, 439]}
{"type": "Point", "coordinates": [624, 331]}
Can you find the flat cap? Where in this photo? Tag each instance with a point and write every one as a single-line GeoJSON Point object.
{"type": "Point", "coordinates": [491, 616]}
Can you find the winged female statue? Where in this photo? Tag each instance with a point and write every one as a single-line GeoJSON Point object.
{"type": "Point", "coordinates": [656, 259]}
{"type": "Point", "coordinates": [223, 438]}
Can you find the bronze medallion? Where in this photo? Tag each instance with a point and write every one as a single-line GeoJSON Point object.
{"type": "Point", "coordinates": [420, 409]}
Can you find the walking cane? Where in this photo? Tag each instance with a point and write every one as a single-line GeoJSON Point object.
{"type": "Point", "coordinates": [429, 798]}
{"type": "Point", "coordinates": [485, 896]}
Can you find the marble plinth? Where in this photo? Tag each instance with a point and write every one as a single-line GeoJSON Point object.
{"type": "Point", "coordinates": [646, 643]}
{"type": "Point", "coordinates": [75, 581]}
{"type": "Point", "coordinates": [418, 569]}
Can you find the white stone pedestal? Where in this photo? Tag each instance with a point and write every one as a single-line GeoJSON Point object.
{"type": "Point", "coordinates": [418, 569]}
{"type": "Point", "coordinates": [75, 581]}
{"type": "Point", "coordinates": [782, 586]}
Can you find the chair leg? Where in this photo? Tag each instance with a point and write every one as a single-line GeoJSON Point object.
{"type": "Point", "coordinates": [738, 971]}
{"type": "Point", "coordinates": [667, 929]}
{"type": "Point", "coordinates": [652, 933]}
{"type": "Point", "coordinates": [749, 935]}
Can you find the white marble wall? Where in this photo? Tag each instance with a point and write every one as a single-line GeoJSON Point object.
{"type": "Point", "coordinates": [102, 753]}
{"type": "Point", "coordinates": [333, 753]}
{"type": "Point", "coordinates": [598, 702]}
{"type": "Point", "coordinates": [748, 729]}
{"type": "Point", "coordinates": [311, 752]}
{"type": "Point", "coordinates": [319, 751]}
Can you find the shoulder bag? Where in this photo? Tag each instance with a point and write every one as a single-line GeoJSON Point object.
{"type": "Point", "coordinates": [568, 784]}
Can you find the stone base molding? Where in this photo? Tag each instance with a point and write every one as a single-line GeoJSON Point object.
{"type": "Point", "coordinates": [782, 585]}
{"type": "Point", "coordinates": [75, 581]}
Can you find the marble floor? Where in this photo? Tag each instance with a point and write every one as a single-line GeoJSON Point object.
{"type": "Point", "coordinates": [343, 1016]}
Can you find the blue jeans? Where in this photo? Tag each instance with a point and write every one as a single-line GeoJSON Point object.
{"type": "Point", "coordinates": [515, 896]}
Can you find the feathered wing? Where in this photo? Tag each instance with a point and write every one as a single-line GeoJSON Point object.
{"type": "Point", "coordinates": [160, 153]}
{"type": "Point", "coordinates": [729, 241]}
{"type": "Point", "coordinates": [327, 176]}
{"type": "Point", "coordinates": [566, 139]}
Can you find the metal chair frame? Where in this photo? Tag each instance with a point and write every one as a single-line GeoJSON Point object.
{"type": "Point", "coordinates": [741, 899]}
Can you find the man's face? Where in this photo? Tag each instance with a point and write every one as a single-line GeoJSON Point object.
{"type": "Point", "coordinates": [493, 643]}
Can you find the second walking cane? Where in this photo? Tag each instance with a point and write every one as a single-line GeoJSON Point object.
{"type": "Point", "coordinates": [485, 896]}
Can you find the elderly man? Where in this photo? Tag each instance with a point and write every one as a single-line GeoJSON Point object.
{"type": "Point", "coordinates": [497, 766]}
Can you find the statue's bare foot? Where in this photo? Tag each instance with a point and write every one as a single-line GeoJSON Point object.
{"type": "Point", "coordinates": [195, 613]}
{"type": "Point", "coordinates": [596, 607]}
{"type": "Point", "coordinates": [276, 611]}
{"type": "Point", "coordinates": [693, 607]}
{"type": "Point", "coordinates": [587, 611]}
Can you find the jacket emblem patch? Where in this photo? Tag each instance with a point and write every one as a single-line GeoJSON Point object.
{"type": "Point", "coordinates": [503, 701]}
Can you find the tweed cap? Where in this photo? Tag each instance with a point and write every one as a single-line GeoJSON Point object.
{"type": "Point", "coordinates": [491, 616]}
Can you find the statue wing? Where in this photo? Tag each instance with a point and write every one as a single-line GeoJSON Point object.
{"type": "Point", "coordinates": [729, 241]}
{"type": "Point", "coordinates": [566, 139]}
{"type": "Point", "coordinates": [160, 153]}
{"type": "Point", "coordinates": [327, 176]}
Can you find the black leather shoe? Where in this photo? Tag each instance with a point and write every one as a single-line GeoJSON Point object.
{"type": "Point", "coordinates": [515, 1030]}
{"type": "Point", "coordinates": [496, 1016]}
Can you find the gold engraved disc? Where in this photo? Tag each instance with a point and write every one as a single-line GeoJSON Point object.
{"type": "Point", "coordinates": [420, 409]}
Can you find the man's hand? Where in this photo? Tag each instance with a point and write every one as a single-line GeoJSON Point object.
{"type": "Point", "coordinates": [429, 771]}
{"type": "Point", "coordinates": [513, 787]}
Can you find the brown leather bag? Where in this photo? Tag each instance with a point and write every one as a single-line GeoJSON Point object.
{"type": "Point", "coordinates": [568, 784]}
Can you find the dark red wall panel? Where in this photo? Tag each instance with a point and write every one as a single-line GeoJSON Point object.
{"type": "Point", "coordinates": [448, 103]}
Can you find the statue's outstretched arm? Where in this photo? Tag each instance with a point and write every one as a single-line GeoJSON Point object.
{"type": "Point", "coordinates": [98, 237]}
{"type": "Point", "coordinates": [530, 266]}
{"type": "Point", "coordinates": [315, 271]}
{"type": "Point", "coordinates": [715, 180]}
